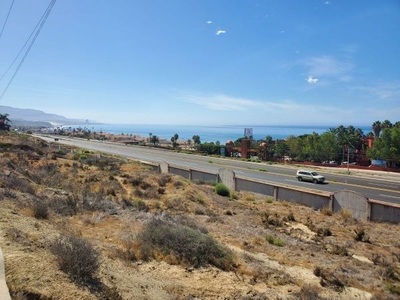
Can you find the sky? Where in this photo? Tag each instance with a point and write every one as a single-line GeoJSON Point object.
{"type": "Point", "coordinates": [204, 62]}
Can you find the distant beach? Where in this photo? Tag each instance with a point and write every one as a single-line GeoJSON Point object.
{"type": "Point", "coordinates": [208, 133]}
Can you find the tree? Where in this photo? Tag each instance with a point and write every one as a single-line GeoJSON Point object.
{"type": "Point", "coordinates": [387, 147]}
{"type": "Point", "coordinates": [281, 149]}
{"type": "Point", "coordinates": [376, 128]}
{"type": "Point", "coordinates": [268, 139]}
{"type": "Point", "coordinates": [154, 139]}
{"type": "Point", "coordinates": [196, 140]}
{"type": "Point", "coordinates": [386, 124]}
{"type": "Point", "coordinates": [296, 147]}
{"type": "Point", "coordinates": [4, 120]}
{"type": "Point", "coordinates": [174, 140]}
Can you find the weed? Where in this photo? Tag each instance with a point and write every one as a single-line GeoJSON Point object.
{"type": "Point", "coordinates": [324, 231]}
{"type": "Point", "coordinates": [163, 180]}
{"type": "Point", "coordinates": [178, 184]}
{"type": "Point", "coordinates": [326, 211]}
{"type": "Point", "coordinates": [268, 219]}
{"type": "Point", "coordinates": [234, 196]}
{"type": "Point", "coordinates": [269, 200]}
{"type": "Point", "coordinates": [361, 235]}
{"type": "Point", "coordinates": [290, 217]}
{"type": "Point", "coordinates": [249, 197]}
{"type": "Point", "coordinates": [346, 214]}
{"type": "Point", "coordinates": [274, 240]}
{"type": "Point", "coordinates": [200, 199]}
{"type": "Point", "coordinates": [308, 292]}
{"type": "Point", "coordinates": [393, 288]}
{"type": "Point", "coordinates": [140, 205]}
{"type": "Point", "coordinates": [199, 211]}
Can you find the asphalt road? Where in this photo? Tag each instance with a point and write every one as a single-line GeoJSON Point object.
{"type": "Point", "coordinates": [382, 186]}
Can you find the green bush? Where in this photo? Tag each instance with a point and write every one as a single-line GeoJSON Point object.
{"type": "Point", "coordinates": [274, 240]}
{"type": "Point", "coordinates": [222, 190]}
{"type": "Point", "coordinates": [188, 245]}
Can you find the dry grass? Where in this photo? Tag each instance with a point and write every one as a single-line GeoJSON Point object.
{"type": "Point", "coordinates": [110, 206]}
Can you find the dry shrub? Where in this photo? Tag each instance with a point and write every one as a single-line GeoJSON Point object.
{"type": "Point", "coordinates": [325, 231]}
{"type": "Point", "coordinates": [337, 249]}
{"type": "Point", "coordinates": [13, 182]}
{"type": "Point", "coordinates": [308, 292]}
{"type": "Point", "coordinates": [96, 201]}
{"type": "Point", "coordinates": [361, 235]}
{"type": "Point", "coordinates": [77, 258]}
{"type": "Point", "coordinates": [136, 180]}
{"type": "Point", "coordinates": [178, 183]}
{"type": "Point", "coordinates": [127, 251]}
{"type": "Point", "coordinates": [271, 219]}
{"type": "Point", "coordinates": [40, 210]}
{"type": "Point", "coordinates": [328, 279]}
{"type": "Point", "coordinates": [164, 179]}
{"type": "Point", "coordinates": [345, 214]}
{"type": "Point", "coordinates": [187, 245]}
{"type": "Point", "coordinates": [326, 211]}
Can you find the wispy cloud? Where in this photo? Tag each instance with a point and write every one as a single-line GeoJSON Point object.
{"type": "Point", "coordinates": [223, 102]}
{"type": "Point", "coordinates": [209, 22]}
{"type": "Point", "coordinates": [312, 80]}
{"type": "Point", "coordinates": [328, 66]}
{"type": "Point", "coordinates": [219, 32]}
{"type": "Point", "coordinates": [383, 90]}
{"type": "Point", "coordinates": [280, 111]}
{"type": "Point", "coordinates": [327, 2]}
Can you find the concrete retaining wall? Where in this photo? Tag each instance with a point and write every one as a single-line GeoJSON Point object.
{"type": "Point", "coordinates": [307, 198]}
{"type": "Point", "coordinates": [258, 187]}
{"type": "Point", "coordinates": [384, 212]}
{"type": "Point", "coordinates": [361, 207]}
{"type": "Point", "coordinates": [356, 203]}
{"type": "Point", "coordinates": [203, 176]}
{"type": "Point", "coordinates": [185, 173]}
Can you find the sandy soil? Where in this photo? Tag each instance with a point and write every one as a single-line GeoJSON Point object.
{"type": "Point", "coordinates": [320, 256]}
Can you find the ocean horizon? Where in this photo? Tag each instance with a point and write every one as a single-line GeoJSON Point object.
{"type": "Point", "coordinates": [221, 133]}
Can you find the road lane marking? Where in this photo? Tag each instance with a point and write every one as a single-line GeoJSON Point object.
{"type": "Point", "coordinates": [387, 185]}
{"type": "Point", "coordinates": [389, 196]}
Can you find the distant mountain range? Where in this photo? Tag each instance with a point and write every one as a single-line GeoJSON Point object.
{"type": "Point", "coordinates": [34, 117]}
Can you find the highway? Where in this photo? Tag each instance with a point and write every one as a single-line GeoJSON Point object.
{"type": "Point", "coordinates": [378, 186]}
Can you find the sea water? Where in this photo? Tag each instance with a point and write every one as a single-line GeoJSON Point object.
{"type": "Point", "coordinates": [209, 133]}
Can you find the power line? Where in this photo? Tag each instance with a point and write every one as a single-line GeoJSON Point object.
{"type": "Point", "coordinates": [5, 22]}
{"type": "Point", "coordinates": [20, 51]}
{"type": "Point", "coordinates": [43, 21]}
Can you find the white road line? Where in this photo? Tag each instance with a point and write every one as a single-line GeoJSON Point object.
{"type": "Point", "coordinates": [389, 196]}
{"type": "Point", "coordinates": [387, 185]}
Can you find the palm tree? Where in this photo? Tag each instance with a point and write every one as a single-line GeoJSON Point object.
{"type": "Point", "coordinates": [154, 139]}
{"type": "Point", "coordinates": [386, 124]}
{"type": "Point", "coordinates": [376, 128]}
{"type": "Point", "coordinates": [4, 120]}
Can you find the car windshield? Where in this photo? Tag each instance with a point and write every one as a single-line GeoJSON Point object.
{"type": "Point", "coordinates": [314, 173]}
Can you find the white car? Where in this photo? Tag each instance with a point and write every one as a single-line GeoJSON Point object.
{"type": "Point", "coordinates": [311, 176]}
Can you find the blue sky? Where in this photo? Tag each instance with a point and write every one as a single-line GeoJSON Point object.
{"type": "Point", "coordinates": [206, 62]}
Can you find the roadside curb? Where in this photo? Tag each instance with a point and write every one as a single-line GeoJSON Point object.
{"type": "Point", "coordinates": [4, 292]}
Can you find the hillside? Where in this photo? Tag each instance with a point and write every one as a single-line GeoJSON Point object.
{"type": "Point", "coordinates": [34, 117]}
{"type": "Point", "coordinates": [82, 225]}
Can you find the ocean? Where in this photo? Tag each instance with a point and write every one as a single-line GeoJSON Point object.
{"type": "Point", "coordinates": [210, 133]}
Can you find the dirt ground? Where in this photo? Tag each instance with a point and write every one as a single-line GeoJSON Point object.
{"type": "Point", "coordinates": [281, 250]}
